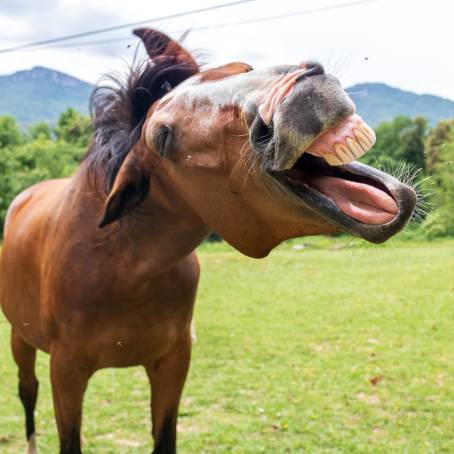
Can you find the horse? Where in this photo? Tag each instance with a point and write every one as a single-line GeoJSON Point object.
{"type": "Point", "coordinates": [99, 269]}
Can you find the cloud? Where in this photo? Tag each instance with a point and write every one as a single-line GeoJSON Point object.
{"type": "Point", "coordinates": [20, 8]}
{"type": "Point", "coordinates": [44, 19]}
{"type": "Point", "coordinates": [402, 41]}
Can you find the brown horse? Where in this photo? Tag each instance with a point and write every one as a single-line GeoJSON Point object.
{"type": "Point", "coordinates": [99, 270]}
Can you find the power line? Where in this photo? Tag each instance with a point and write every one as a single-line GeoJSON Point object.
{"type": "Point", "coordinates": [119, 27]}
{"type": "Point", "coordinates": [283, 16]}
{"type": "Point", "coordinates": [243, 22]}
{"type": "Point", "coordinates": [90, 43]}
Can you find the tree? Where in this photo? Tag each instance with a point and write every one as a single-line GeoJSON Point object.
{"type": "Point", "coordinates": [41, 130]}
{"type": "Point", "coordinates": [411, 143]}
{"type": "Point", "coordinates": [6, 181]}
{"type": "Point", "coordinates": [39, 155]}
{"type": "Point", "coordinates": [10, 134]}
{"type": "Point", "coordinates": [74, 128]}
{"type": "Point", "coordinates": [440, 166]}
{"type": "Point", "coordinates": [400, 140]}
{"type": "Point", "coordinates": [437, 139]}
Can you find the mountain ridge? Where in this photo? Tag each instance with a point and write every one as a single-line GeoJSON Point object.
{"type": "Point", "coordinates": [41, 94]}
{"type": "Point", "coordinates": [378, 102]}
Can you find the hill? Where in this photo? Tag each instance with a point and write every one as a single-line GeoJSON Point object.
{"type": "Point", "coordinates": [377, 102]}
{"type": "Point", "coordinates": [41, 94]}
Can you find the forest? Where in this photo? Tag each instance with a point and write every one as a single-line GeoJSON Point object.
{"type": "Point", "coordinates": [407, 148]}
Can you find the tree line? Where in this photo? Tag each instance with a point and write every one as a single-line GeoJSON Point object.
{"type": "Point", "coordinates": [407, 148]}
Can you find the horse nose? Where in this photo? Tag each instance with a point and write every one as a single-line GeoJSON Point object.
{"type": "Point", "coordinates": [282, 88]}
{"type": "Point", "coordinates": [312, 69]}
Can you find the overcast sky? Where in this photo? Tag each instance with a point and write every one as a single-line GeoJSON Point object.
{"type": "Point", "coordinates": [404, 43]}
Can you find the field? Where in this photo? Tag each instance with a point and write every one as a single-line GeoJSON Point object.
{"type": "Point", "coordinates": [319, 348]}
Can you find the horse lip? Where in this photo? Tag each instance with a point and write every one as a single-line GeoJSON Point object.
{"type": "Point", "coordinates": [404, 196]}
{"type": "Point", "coordinates": [324, 207]}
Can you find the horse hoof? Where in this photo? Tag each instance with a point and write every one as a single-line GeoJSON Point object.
{"type": "Point", "coordinates": [31, 446]}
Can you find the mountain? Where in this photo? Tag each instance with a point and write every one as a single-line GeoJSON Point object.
{"type": "Point", "coordinates": [41, 94]}
{"type": "Point", "coordinates": [377, 102]}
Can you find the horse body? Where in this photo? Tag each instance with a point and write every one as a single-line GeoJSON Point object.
{"type": "Point", "coordinates": [67, 290]}
{"type": "Point", "coordinates": [67, 293]}
{"type": "Point", "coordinates": [123, 295]}
{"type": "Point", "coordinates": [24, 234]}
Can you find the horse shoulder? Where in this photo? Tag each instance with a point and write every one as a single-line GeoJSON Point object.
{"type": "Point", "coordinates": [20, 259]}
{"type": "Point", "coordinates": [29, 203]}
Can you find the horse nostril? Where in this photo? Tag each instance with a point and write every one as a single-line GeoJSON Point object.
{"type": "Point", "coordinates": [315, 69]}
{"type": "Point", "coordinates": [260, 133]}
{"type": "Point", "coordinates": [312, 69]}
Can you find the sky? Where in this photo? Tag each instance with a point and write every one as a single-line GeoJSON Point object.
{"type": "Point", "coordinates": [403, 43]}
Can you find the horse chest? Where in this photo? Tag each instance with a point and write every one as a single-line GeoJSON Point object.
{"type": "Point", "coordinates": [127, 334]}
{"type": "Point", "coordinates": [124, 347]}
{"type": "Point", "coordinates": [127, 322]}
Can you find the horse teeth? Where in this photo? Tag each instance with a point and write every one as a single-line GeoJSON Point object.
{"type": "Point", "coordinates": [332, 160]}
{"type": "Point", "coordinates": [362, 139]}
{"type": "Point", "coordinates": [370, 134]}
{"type": "Point", "coordinates": [355, 148]}
{"type": "Point", "coordinates": [343, 153]}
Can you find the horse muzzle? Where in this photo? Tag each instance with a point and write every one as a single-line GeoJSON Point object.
{"type": "Point", "coordinates": [308, 138]}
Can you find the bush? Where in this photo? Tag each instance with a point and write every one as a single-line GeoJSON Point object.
{"type": "Point", "coordinates": [46, 152]}
{"type": "Point", "coordinates": [439, 223]}
{"type": "Point", "coordinates": [43, 153]}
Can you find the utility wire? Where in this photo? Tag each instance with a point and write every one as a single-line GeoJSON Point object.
{"type": "Point", "coordinates": [91, 43]}
{"type": "Point", "coordinates": [232, 24]}
{"type": "Point", "coordinates": [119, 27]}
{"type": "Point", "coordinates": [283, 16]}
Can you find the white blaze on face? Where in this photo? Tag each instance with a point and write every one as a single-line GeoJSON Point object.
{"type": "Point", "coordinates": [240, 89]}
{"type": "Point", "coordinates": [204, 99]}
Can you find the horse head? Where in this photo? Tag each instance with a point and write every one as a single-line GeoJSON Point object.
{"type": "Point", "coordinates": [258, 155]}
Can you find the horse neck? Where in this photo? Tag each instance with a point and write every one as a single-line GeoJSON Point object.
{"type": "Point", "coordinates": [154, 237]}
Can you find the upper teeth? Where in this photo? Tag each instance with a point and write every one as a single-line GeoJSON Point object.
{"type": "Point", "coordinates": [353, 147]}
{"type": "Point", "coordinates": [343, 143]}
{"type": "Point", "coordinates": [363, 139]}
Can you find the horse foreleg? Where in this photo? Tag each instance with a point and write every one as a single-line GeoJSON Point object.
{"type": "Point", "coordinates": [167, 377]}
{"type": "Point", "coordinates": [69, 381]}
{"type": "Point", "coordinates": [24, 356]}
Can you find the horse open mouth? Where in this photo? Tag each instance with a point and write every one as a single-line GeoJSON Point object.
{"type": "Point", "coordinates": [353, 197]}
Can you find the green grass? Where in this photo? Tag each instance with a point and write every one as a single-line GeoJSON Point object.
{"type": "Point", "coordinates": [319, 350]}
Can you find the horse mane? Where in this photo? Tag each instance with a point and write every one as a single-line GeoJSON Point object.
{"type": "Point", "coordinates": [119, 110]}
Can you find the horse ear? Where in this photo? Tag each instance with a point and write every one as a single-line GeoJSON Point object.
{"type": "Point", "coordinates": [129, 190]}
{"type": "Point", "coordinates": [159, 46]}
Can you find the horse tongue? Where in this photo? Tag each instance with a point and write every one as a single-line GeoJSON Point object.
{"type": "Point", "coordinates": [360, 201]}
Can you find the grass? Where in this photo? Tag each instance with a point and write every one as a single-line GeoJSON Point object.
{"type": "Point", "coordinates": [318, 350]}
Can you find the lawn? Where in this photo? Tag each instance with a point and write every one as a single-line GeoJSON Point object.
{"type": "Point", "coordinates": [319, 348]}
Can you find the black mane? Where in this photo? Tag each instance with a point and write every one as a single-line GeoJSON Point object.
{"type": "Point", "coordinates": [118, 113]}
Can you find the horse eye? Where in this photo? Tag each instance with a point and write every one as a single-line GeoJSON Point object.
{"type": "Point", "coordinates": [166, 86]}
{"type": "Point", "coordinates": [163, 139]}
